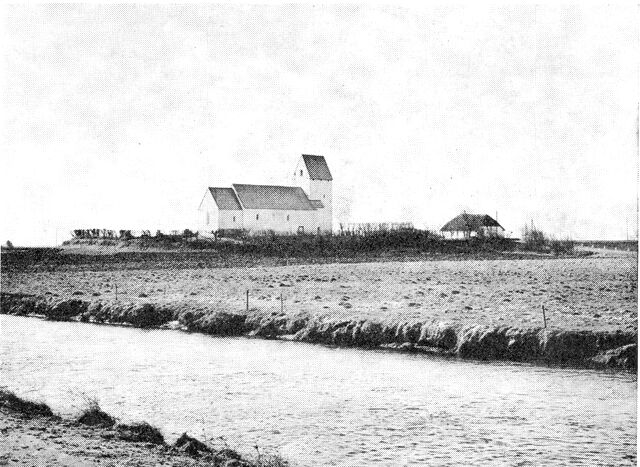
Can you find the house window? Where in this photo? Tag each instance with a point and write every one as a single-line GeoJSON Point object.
{"type": "Point", "coordinates": [257, 216]}
{"type": "Point", "coordinates": [301, 173]}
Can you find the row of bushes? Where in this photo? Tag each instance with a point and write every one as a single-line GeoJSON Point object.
{"type": "Point", "coordinates": [128, 234]}
{"type": "Point", "coordinates": [349, 244]}
{"type": "Point", "coordinates": [345, 242]}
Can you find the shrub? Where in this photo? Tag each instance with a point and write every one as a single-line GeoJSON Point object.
{"type": "Point", "coordinates": [560, 247]}
{"type": "Point", "coordinates": [534, 239]}
{"type": "Point", "coordinates": [9, 245]}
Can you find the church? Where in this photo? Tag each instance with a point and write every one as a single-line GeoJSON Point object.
{"type": "Point", "coordinates": [303, 207]}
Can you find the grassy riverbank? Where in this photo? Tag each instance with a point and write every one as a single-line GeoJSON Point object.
{"type": "Point", "coordinates": [590, 348]}
{"type": "Point", "coordinates": [33, 435]}
{"type": "Point", "coordinates": [483, 309]}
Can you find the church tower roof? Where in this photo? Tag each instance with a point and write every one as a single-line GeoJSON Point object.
{"type": "Point", "coordinates": [317, 167]}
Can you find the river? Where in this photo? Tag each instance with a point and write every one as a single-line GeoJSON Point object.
{"type": "Point", "coordinates": [324, 406]}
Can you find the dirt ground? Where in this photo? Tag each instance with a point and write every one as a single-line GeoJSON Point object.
{"type": "Point", "coordinates": [597, 292]}
{"type": "Point", "coordinates": [47, 441]}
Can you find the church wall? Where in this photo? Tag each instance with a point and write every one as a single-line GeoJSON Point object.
{"type": "Point", "coordinates": [322, 190]}
{"type": "Point", "coordinates": [230, 220]}
{"type": "Point", "coordinates": [276, 220]}
{"type": "Point", "coordinates": [208, 214]}
{"type": "Point", "coordinates": [300, 176]}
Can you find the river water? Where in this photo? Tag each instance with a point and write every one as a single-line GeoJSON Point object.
{"type": "Point", "coordinates": [322, 406]}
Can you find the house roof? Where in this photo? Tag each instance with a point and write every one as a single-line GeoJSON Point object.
{"type": "Point", "coordinates": [468, 222]}
{"type": "Point", "coordinates": [225, 199]}
{"type": "Point", "coordinates": [273, 197]}
{"type": "Point", "coordinates": [317, 167]}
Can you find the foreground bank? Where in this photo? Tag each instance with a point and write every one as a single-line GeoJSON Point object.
{"type": "Point", "coordinates": [588, 348]}
{"type": "Point", "coordinates": [33, 435]}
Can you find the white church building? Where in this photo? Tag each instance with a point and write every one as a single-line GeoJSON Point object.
{"type": "Point", "coordinates": [304, 207]}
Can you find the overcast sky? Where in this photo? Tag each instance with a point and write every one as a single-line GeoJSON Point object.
{"type": "Point", "coordinates": [121, 116]}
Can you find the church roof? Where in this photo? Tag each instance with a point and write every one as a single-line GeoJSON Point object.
{"type": "Point", "coordinates": [273, 197]}
{"type": "Point", "coordinates": [317, 167]}
{"type": "Point", "coordinates": [469, 222]}
{"type": "Point", "coordinates": [316, 203]}
{"type": "Point", "coordinates": [225, 199]}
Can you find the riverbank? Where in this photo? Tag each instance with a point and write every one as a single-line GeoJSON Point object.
{"type": "Point", "coordinates": [587, 348]}
{"type": "Point", "coordinates": [576, 311]}
{"type": "Point", "coordinates": [33, 435]}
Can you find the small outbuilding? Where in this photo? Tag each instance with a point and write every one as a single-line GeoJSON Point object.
{"type": "Point", "coordinates": [471, 225]}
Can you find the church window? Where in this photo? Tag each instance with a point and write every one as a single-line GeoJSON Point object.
{"type": "Point", "coordinates": [287, 216]}
{"type": "Point", "coordinates": [257, 216]}
{"type": "Point", "coordinates": [207, 217]}
{"type": "Point", "coordinates": [234, 218]}
{"type": "Point", "coordinates": [301, 173]}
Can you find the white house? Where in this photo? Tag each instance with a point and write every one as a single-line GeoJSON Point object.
{"type": "Point", "coordinates": [305, 207]}
{"type": "Point", "coordinates": [470, 225]}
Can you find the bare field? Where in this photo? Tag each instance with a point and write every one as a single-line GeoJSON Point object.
{"type": "Point", "coordinates": [590, 293]}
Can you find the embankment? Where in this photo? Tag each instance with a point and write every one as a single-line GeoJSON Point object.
{"type": "Point", "coordinates": [586, 348]}
{"type": "Point", "coordinates": [33, 435]}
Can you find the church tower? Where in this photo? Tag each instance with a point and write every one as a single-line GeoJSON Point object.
{"type": "Point", "coordinates": [313, 176]}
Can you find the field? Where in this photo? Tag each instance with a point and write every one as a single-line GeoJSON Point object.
{"type": "Point", "coordinates": [597, 292]}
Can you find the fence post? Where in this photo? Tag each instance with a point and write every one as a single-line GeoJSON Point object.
{"type": "Point", "coordinates": [247, 299]}
{"type": "Point", "coordinates": [544, 317]}
{"type": "Point", "coordinates": [116, 292]}
{"type": "Point", "coordinates": [281, 304]}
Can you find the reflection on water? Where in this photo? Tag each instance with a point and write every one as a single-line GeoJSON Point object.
{"type": "Point", "coordinates": [322, 406]}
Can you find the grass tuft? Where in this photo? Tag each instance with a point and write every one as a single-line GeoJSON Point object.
{"type": "Point", "coordinates": [10, 401]}
{"type": "Point", "coordinates": [139, 433]}
{"type": "Point", "coordinates": [93, 415]}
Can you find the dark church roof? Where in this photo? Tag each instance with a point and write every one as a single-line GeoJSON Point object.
{"type": "Point", "coordinates": [317, 167]}
{"type": "Point", "coordinates": [273, 197]}
{"type": "Point", "coordinates": [470, 222]}
{"type": "Point", "coordinates": [225, 199]}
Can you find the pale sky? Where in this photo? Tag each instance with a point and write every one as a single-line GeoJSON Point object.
{"type": "Point", "coordinates": [121, 116]}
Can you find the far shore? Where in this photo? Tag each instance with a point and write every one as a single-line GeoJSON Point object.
{"type": "Point", "coordinates": [576, 310]}
{"type": "Point", "coordinates": [589, 349]}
